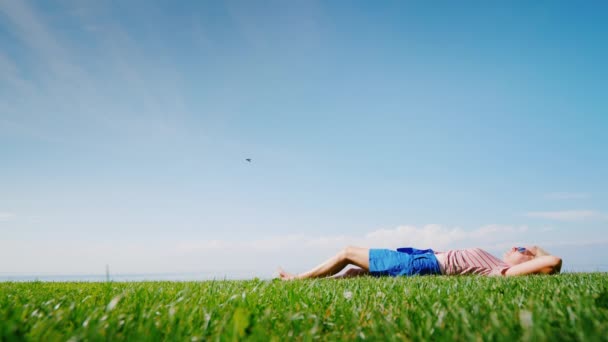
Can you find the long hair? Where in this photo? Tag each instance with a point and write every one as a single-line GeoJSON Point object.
{"type": "Point", "coordinates": [538, 251]}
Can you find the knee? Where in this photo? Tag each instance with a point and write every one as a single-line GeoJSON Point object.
{"type": "Point", "coordinates": [348, 252]}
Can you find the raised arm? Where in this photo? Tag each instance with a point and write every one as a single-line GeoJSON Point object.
{"type": "Point", "coordinates": [547, 264]}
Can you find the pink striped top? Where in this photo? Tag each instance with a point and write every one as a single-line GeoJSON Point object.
{"type": "Point", "coordinates": [472, 261]}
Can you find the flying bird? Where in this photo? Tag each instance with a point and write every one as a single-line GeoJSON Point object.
{"type": "Point", "coordinates": [248, 159]}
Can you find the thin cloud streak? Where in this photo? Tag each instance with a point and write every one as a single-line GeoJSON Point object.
{"type": "Point", "coordinates": [6, 216]}
{"type": "Point", "coordinates": [568, 215]}
{"type": "Point", "coordinates": [567, 195]}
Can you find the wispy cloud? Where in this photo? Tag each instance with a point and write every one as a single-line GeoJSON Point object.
{"type": "Point", "coordinates": [304, 27]}
{"type": "Point", "coordinates": [246, 258]}
{"type": "Point", "coordinates": [432, 235]}
{"type": "Point", "coordinates": [304, 251]}
{"type": "Point", "coordinates": [567, 195]}
{"type": "Point", "coordinates": [5, 216]}
{"type": "Point", "coordinates": [568, 215]}
{"type": "Point", "coordinates": [55, 80]}
{"type": "Point", "coordinates": [61, 78]}
{"type": "Point", "coordinates": [28, 26]}
{"type": "Point", "coordinates": [11, 74]}
{"type": "Point", "coordinates": [56, 67]}
{"type": "Point", "coordinates": [577, 243]}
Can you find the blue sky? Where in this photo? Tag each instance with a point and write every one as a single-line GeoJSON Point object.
{"type": "Point", "coordinates": [124, 129]}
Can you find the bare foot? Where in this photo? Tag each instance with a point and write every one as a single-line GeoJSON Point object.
{"type": "Point", "coordinates": [285, 275]}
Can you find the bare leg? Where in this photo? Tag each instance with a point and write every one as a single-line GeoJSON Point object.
{"type": "Point", "coordinates": [350, 255]}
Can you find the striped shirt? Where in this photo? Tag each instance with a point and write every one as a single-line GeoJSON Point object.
{"type": "Point", "coordinates": [471, 261]}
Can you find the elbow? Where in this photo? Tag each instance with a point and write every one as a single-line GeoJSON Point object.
{"type": "Point", "coordinates": [553, 265]}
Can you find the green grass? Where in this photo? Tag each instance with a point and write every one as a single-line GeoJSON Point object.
{"type": "Point", "coordinates": [562, 307]}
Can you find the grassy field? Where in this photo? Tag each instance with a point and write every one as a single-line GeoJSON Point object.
{"type": "Point", "coordinates": [562, 307]}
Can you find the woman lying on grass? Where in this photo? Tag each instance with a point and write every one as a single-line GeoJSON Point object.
{"type": "Point", "coordinates": [412, 261]}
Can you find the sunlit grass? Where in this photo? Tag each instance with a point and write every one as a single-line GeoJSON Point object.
{"type": "Point", "coordinates": [562, 307]}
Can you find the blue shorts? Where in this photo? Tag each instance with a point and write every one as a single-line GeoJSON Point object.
{"type": "Point", "coordinates": [402, 262]}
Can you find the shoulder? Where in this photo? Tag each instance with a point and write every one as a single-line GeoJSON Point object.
{"type": "Point", "coordinates": [479, 250]}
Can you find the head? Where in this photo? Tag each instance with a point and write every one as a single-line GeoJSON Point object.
{"type": "Point", "coordinates": [517, 255]}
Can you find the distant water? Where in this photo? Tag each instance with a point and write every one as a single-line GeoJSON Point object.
{"type": "Point", "coordinates": [200, 276]}
{"type": "Point", "coordinates": [585, 268]}
{"type": "Point", "coordinates": [126, 277]}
